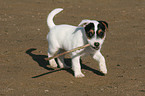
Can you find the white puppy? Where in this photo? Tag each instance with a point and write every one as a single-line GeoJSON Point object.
{"type": "Point", "coordinates": [67, 37]}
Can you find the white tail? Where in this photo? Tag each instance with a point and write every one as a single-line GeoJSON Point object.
{"type": "Point", "coordinates": [51, 15]}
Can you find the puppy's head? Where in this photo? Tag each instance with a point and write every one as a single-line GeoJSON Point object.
{"type": "Point", "coordinates": [95, 32]}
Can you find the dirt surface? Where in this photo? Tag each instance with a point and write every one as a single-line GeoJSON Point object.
{"type": "Point", "coordinates": [23, 47]}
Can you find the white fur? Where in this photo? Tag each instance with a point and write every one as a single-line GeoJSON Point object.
{"type": "Point", "coordinates": [50, 17]}
{"type": "Point", "coordinates": [68, 37]}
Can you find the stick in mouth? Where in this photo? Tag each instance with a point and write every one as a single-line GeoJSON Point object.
{"type": "Point", "coordinates": [78, 48]}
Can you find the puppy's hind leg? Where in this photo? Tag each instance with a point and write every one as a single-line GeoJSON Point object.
{"type": "Point", "coordinates": [61, 60]}
{"type": "Point", "coordinates": [50, 54]}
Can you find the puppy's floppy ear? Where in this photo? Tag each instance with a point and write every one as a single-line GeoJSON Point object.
{"type": "Point", "coordinates": [84, 23]}
{"type": "Point", "coordinates": [104, 24]}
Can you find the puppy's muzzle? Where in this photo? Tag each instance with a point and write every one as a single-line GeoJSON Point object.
{"type": "Point", "coordinates": [96, 45]}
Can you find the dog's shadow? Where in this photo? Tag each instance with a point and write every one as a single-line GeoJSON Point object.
{"type": "Point", "coordinates": [40, 59]}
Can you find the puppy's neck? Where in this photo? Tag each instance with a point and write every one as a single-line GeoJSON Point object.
{"type": "Point", "coordinates": [84, 35]}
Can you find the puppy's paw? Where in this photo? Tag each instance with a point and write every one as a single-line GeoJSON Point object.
{"type": "Point", "coordinates": [63, 65]}
{"type": "Point", "coordinates": [103, 70]}
{"type": "Point", "coordinates": [79, 75]}
{"type": "Point", "coordinates": [53, 63]}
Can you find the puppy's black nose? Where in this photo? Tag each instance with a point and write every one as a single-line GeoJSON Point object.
{"type": "Point", "coordinates": [96, 44]}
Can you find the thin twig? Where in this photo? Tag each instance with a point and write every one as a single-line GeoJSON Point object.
{"type": "Point", "coordinates": [78, 48]}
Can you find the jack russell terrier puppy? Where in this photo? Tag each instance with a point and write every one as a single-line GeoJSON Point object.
{"type": "Point", "coordinates": [67, 37]}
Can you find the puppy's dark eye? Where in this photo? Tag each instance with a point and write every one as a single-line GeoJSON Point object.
{"type": "Point", "coordinates": [90, 34]}
{"type": "Point", "coordinates": [100, 33]}
{"type": "Point", "coordinates": [90, 30]}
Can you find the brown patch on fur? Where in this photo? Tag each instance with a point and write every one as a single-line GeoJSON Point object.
{"type": "Point", "coordinates": [92, 31]}
{"type": "Point", "coordinates": [105, 26]}
{"type": "Point", "coordinates": [99, 31]}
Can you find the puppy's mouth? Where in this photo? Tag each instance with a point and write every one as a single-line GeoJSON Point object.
{"type": "Point", "coordinates": [96, 48]}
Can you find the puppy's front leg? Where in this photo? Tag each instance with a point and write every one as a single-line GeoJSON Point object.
{"type": "Point", "coordinates": [76, 67]}
{"type": "Point", "coordinates": [100, 58]}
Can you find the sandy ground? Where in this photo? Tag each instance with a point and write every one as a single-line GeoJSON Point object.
{"type": "Point", "coordinates": [23, 47]}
